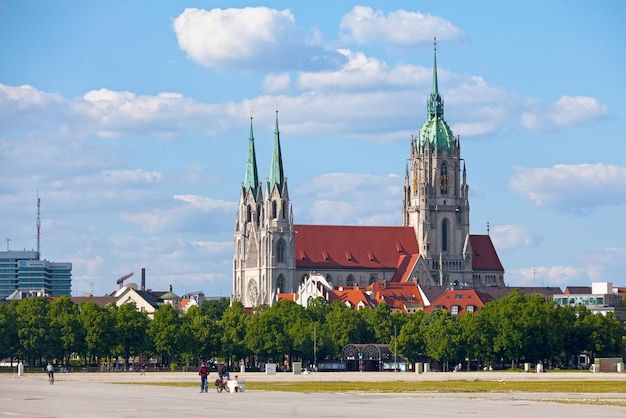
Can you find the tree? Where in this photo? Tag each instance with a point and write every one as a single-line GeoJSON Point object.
{"type": "Point", "coordinates": [131, 331]}
{"type": "Point", "coordinates": [165, 331]}
{"type": "Point", "coordinates": [64, 319]}
{"type": "Point", "coordinates": [410, 337]}
{"type": "Point", "coordinates": [33, 327]}
{"type": "Point", "coordinates": [214, 309]}
{"type": "Point", "coordinates": [9, 341]}
{"type": "Point", "coordinates": [233, 328]}
{"type": "Point", "coordinates": [266, 336]}
{"type": "Point", "coordinates": [379, 324]}
{"type": "Point", "coordinates": [606, 335]}
{"type": "Point", "coordinates": [201, 334]}
{"type": "Point", "coordinates": [441, 335]}
{"type": "Point", "coordinates": [99, 325]}
{"type": "Point", "coordinates": [343, 326]}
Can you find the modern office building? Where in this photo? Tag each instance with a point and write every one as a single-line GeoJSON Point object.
{"type": "Point", "coordinates": [23, 271]}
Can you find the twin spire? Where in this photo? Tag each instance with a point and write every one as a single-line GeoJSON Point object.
{"type": "Point", "coordinates": [276, 177]}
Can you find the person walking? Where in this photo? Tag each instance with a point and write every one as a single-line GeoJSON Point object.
{"type": "Point", "coordinates": [204, 373]}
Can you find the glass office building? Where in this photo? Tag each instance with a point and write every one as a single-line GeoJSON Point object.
{"type": "Point", "coordinates": [24, 271]}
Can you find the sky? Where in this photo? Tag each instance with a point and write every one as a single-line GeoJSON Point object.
{"type": "Point", "coordinates": [130, 121]}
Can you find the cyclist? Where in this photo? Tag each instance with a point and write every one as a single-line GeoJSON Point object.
{"type": "Point", "coordinates": [222, 371]}
{"type": "Point", "coordinates": [50, 371]}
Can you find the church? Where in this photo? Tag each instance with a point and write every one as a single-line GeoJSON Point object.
{"type": "Point", "coordinates": [433, 247]}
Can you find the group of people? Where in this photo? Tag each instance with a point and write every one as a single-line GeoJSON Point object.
{"type": "Point", "coordinates": [222, 372]}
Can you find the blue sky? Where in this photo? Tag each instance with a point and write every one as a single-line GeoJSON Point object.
{"type": "Point", "coordinates": [131, 120]}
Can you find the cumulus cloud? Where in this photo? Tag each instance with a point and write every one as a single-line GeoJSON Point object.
{"type": "Point", "coordinates": [248, 39]}
{"type": "Point", "coordinates": [363, 25]}
{"type": "Point", "coordinates": [514, 236]}
{"type": "Point", "coordinates": [574, 188]}
{"type": "Point", "coordinates": [347, 198]}
{"type": "Point", "coordinates": [567, 111]}
{"type": "Point", "coordinates": [546, 276]}
{"type": "Point", "coordinates": [187, 212]}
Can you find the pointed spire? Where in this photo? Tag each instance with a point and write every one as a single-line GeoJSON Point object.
{"type": "Point", "coordinates": [276, 170]}
{"type": "Point", "coordinates": [251, 180]}
{"type": "Point", "coordinates": [435, 102]}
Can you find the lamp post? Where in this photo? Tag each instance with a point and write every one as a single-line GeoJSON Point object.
{"type": "Point", "coordinates": [314, 347]}
{"type": "Point", "coordinates": [395, 350]}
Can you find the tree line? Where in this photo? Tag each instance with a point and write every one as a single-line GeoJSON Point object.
{"type": "Point", "coordinates": [515, 329]}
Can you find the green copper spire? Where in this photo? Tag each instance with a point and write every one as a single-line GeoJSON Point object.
{"type": "Point", "coordinates": [276, 170]}
{"type": "Point", "coordinates": [435, 131]}
{"type": "Point", "coordinates": [251, 181]}
{"type": "Point", "coordinates": [435, 102]}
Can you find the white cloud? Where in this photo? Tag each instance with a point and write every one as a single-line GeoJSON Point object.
{"type": "Point", "coordinates": [565, 112]}
{"type": "Point", "coordinates": [276, 83]}
{"type": "Point", "coordinates": [513, 236]}
{"type": "Point", "coordinates": [546, 276]}
{"type": "Point", "coordinates": [363, 25]}
{"type": "Point", "coordinates": [247, 39]}
{"type": "Point", "coordinates": [347, 198]}
{"type": "Point", "coordinates": [572, 188]}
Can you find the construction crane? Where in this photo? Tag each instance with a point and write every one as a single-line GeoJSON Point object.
{"type": "Point", "coordinates": [120, 281]}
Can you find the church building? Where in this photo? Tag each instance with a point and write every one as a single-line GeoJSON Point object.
{"type": "Point", "coordinates": [433, 247]}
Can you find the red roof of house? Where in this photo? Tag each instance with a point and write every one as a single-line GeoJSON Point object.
{"type": "Point", "coordinates": [353, 296]}
{"type": "Point", "coordinates": [399, 296]}
{"type": "Point", "coordinates": [461, 298]}
{"type": "Point", "coordinates": [485, 255]}
{"type": "Point", "coordinates": [371, 247]}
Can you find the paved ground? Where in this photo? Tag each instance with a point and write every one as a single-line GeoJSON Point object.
{"type": "Point", "coordinates": [93, 395]}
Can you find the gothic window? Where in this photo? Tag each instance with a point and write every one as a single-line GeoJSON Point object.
{"type": "Point", "coordinates": [280, 251]}
{"type": "Point", "coordinates": [444, 235]}
{"type": "Point", "coordinates": [304, 277]}
{"type": "Point", "coordinates": [444, 181]}
{"type": "Point", "coordinates": [274, 209]}
{"type": "Point", "coordinates": [284, 210]}
{"type": "Point", "coordinates": [280, 283]}
{"type": "Point", "coordinates": [350, 280]}
{"type": "Point", "coordinates": [372, 279]}
{"type": "Point", "coordinates": [329, 279]}
{"type": "Point", "coordinates": [248, 213]}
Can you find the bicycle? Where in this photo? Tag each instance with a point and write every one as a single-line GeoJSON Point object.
{"type": "Point", "coordinates": [221, 384]}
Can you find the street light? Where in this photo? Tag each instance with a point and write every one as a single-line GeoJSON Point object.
{"type": "Point", "coordinates": [395, 350]}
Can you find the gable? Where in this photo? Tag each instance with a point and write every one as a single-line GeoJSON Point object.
{"type": "Point", "coordinates": [485, 257]}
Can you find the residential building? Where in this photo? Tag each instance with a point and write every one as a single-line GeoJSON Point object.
{"type": "Point", "coordinates": [433, 247]}
{"type": "Point", "coordinates": [601, 298]}
{"type": "Point", "coordinates": [23, 271]}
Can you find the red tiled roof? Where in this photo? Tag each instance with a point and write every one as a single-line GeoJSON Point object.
{"type": "Point", "coordinates": [354, 296]}
{"type": "Point", "coordinates": [371, 247]}
{"type": "Point", "coordinates": [578, 290]}
{"type": "Point", "coordinates": [461, 298]}
{"type": "Point", "coordinates": [485, 255]}
{"type": "Point", "coordinates": [405, 267]}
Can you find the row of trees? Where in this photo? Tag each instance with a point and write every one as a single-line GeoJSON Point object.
{"type": "Point", "coordinates": [517, 328]}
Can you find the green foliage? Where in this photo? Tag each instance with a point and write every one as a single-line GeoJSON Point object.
{"type": "Point", "coordinates": [517, 328]}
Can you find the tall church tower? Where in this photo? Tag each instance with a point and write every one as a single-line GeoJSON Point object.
{"type": "Point", "coordinates": [435, 199]}
{"type": "Point", "coordinates": [264, 254]}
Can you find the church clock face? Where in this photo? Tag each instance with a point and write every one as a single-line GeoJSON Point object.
{"type": "Point", "coordinates": [443, 183]}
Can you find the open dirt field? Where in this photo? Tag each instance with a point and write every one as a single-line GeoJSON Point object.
{"type": "Point", "coordinates": [93, 395]}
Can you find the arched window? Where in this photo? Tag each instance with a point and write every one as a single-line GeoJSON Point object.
{"type": "Point", "coordinates": [274, 209]}
{"type": "Point", "coordinates": [372, 279]}
{"type": "Point", "coordinates": [350, 280]}
{"type": "Point", "coordinates": [280, 251]}
{"type": "Point", "coordinates": [280, 283]}
{"type": "Point", "coordinates": [304, 278]}
{"type": "Point", "coordinates": [444, 235]}
{"type": "Point", "coordinates": [248, 213]}
{"type": "Point", "coordinates": [329, 279]}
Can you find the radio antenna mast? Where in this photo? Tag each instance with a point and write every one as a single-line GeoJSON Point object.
{"type": "Point", "coordinates": [38, 224]}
